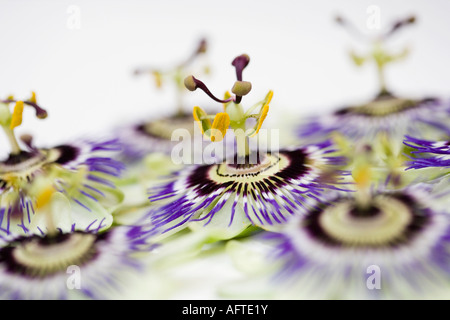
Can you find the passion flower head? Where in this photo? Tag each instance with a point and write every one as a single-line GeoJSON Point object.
{"type": "Point", "coordinates": [250, 188]}
{"type": "Point", "coordinates": [155, 135]}
{"type": "Point", "coordinates": [77, 263]}
{"type": "Point", "coordinates": [386, 245]}
{"type": "Point", "coordinates": [386, 114]}
{"type": "Point", "coordinates": [80, 171]}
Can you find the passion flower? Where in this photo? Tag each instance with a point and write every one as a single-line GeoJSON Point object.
{"type": "Point", "coordinates": [387, 244]}
{"type": "Point", "coordinates": [254, 187]}
{"type": "Point", "coordinates": [81, 170]}
{"type": "Point", "coordinates": [386, 115]}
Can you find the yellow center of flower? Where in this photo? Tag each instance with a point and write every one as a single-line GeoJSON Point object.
{"type": "Point", "coordinates": [13, 173]}
{"type": "Point", "coordinates": [40, 259]}
{"type": "Point", "coordinates": [248, 172]}
{"type": "Point", "coordinates": [164, 128]}
{"type": "Point", "coordinates": [383, 107]}
{"type": "Point", "coordinates": [385, 223]}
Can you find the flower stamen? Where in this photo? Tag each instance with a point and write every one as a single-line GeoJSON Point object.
{"type": "Point", "coordinates": [176, 73]}
{"type": "Point", "coordinates": [233, 115]}
{"type": "Point", "coordinates": [378, 54]}
{"type": "Point", "coordinates": [9, 121]}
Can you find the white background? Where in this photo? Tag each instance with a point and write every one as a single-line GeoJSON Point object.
{"type": "Point", "coordinates": [83, 77]}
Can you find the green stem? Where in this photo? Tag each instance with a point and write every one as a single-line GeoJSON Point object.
{"type": "Point", "coordinates": [362, 198]}
{"type": "Point", "coordinates": [242, 141]}
{"type": "Point", "coordinates": [381, 77]}
{"type": "Point", "coordinates": [50, 222]}
{"type": "Point", "coordinates": [237, 123]}
{"type": "Point", "coordinates": [243, 148]}
{"type": "Point", "coordinates": [381, 58]}
{"type": "Point", "coordinates": [15, 149]}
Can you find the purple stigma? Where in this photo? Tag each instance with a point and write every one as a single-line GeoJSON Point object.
{"type": "Point", "coordinates": [192, 84]}
{"type": "Point", "coordinates": [40, 113]}
{"type": "Point", "coordinates": [400, 24]}
{"type": "Point", "coordinates": [240, 62]}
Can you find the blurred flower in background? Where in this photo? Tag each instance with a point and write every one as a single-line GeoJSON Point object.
{"type": "Point", "coordinates": [383, 245]}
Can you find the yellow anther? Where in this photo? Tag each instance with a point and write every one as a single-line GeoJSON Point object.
{"type": "Point", "coordinates": [262, 114]}
{"type": "Point", "coordinates": [16, 119]}
{"type": "Point", "coordinates": [44, 197]}
{"type": "Point", "coordinates": [158, 79]}
{"type": "Point", "coordinates": [268, 97]}
{"type": "Point", "coordinates": [362, 175]}
{"type": "Point", "coordinates": [33, 97]}
{"type": "Point", "coordinates": [202, 118]}
{"type": "Point", "coordinates": [262, 117]}
{"type": "Point", "coordinates": [220, 126]}
{"type": "Point", "coordinates": [227, 95]}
